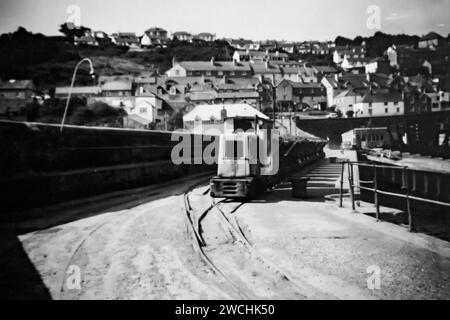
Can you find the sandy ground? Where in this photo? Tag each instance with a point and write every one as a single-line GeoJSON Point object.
{"type": "Point", "coordinates": [142, 250]}
{"type": "Point", "coordinates": [137, 253]}
{"type": "Point", "coordinates": [331, 248]}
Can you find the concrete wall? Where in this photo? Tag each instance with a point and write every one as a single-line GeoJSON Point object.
{"type": "Point", "coordinates": [40, 165]}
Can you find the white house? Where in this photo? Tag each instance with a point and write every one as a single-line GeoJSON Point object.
{"type": "Point", "coordinates": [205, 36]}
{"type": "Point", "coordinates": [354, 63]}
{"type": "Point", "coordinates": [392, 56]}
{"type": "Point", "coordinates": [354, 52]}
{"type": "Point", "coordinates": [182, 36]}
{"type": "Point", "coordinates": [146, 41]}
{"type": "Point", "coordinates": [366, 138]}
{"type": "Point", "coordinates": [346, 101]}
{"type": "Point", "coordinates": [440, 101]}
{"type": "Point", "coordinates": [432, 39]}
{"type": "Point", "coordinates": [381, 104]}
{"type": "Point", "coordinates": [331, 86]}
{"type": "Point", "coordinates": [211, 117]}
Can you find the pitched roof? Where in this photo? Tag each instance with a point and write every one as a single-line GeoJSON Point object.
{"type": "Point", "coordinates": [326, 69]}
{"type": "Point", "coordinates": [205, 34]}
{"type": "Point", "coordinates": [290, 63]}
{"type": "Point", "coordinates": [382, 97]}
{"type": "Point", "coordinates": [238, 95]}
{"type": "Point", "coordinates": [138, 119]}
{"type": "Point", "coordinates": [206, 112]}
{"type": "Point", "coordinates": [253, 53]}
{"type": "Point", "coordinates": [346, 93]}
{"type": "Point", "coordinates": [181, 33]}
{"type": "Point", "coordinates": [301, 84]}
{"type": "Point", "coordinates": [217, 66]}
{"type": "Point", "coordinates": [291, 70]}
{"type": "Point", "coordinates": [125, 77]}
{"type": "Point", "coordinates": [202, 95]}
{"type": "Point", "coordinates": [262, 67]}
{"type": "Point", "coordinates": [117, 86]}
{"type": "Point", "coordinates": [124, 34]}
{"type": "Point", "coordinates": [431, 36]}
{"type": "Point", "coordinates": [355, 80]}
{"type": "Point", "coordinates": [78, 90]}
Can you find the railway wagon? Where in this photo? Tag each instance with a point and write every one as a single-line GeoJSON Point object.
{"type": "Point", "coordinates": [251, 161]}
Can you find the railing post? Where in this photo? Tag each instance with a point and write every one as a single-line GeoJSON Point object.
{"type": "Point", "coordinates": [350, 182]}
{"type": "Point", "coordinates": [408, 204]}
{"type": "Point", "coordinates": [375, 193]}
{"type": "Point", "coordinates": [342, 185]}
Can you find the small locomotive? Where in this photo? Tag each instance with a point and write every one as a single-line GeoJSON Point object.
{"type": "Point", "coordinates": [253, 157]}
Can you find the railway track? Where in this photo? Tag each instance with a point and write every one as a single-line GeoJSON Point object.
{"type": "Point", "coordinates": [237, 261]}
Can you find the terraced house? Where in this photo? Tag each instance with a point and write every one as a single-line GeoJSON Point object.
{"type": "Point", "coordinates": [210, 69]}
{"type": "Point", "coordinates": [297, 95]}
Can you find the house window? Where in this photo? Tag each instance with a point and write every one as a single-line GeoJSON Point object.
{"type": "Point", "coordinates": [370, 111]}
{"type": "Point", "coordinates": [208, 73]}
{"type": "Point", "coordinates": [386, 103]}
{"type": "Point", "coordinates": [398, 110]}
{"type": "Point", "coordinates": [177, 72]}
{"type": "Point", "coordinates": [220, 73]}
{"type": "Point", "coordinates": [386, 110]}
{"type": "Point", "coordinates": [232, 73]}
{"type": "Point", "coordinates": [396, 103]}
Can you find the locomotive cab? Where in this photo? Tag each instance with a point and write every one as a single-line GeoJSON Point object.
{"type": "Point", "coordinates": [245, 154]}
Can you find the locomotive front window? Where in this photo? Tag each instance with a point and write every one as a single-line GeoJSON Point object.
{"type": "Point", "coordinates": [244, 125]}
{"type": "Point", "coordinates": [234, 149]}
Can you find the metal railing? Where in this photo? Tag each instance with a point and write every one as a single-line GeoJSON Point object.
{"type": "Point", "coordinates": [375, 189]}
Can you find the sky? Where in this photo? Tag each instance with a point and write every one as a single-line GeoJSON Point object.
{"type": "Point", "coordinates": [291, 20]}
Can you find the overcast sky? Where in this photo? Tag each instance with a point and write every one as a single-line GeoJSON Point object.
{"type": "Point", "coordinates": [254, 19]}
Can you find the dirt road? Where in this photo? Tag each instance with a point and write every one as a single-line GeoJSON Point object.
{"type": "Point", "coordinates": [142, 249]}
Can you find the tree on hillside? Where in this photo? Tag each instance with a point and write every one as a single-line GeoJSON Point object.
{"type": "Point", "coordinates": [70, 31]}
{"type": "Point", "coordinates": [341, 41]}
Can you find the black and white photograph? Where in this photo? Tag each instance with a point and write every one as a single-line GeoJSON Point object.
{"type": "Point", "coordinates": [224, 156]}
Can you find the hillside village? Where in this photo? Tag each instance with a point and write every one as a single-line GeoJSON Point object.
{"type": "Point", "coordinates": [300, 79]}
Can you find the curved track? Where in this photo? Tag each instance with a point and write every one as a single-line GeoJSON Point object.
{"type": "Point", "coordinates": [251, 274]}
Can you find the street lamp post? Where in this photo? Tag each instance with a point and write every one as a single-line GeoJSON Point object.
{"type": "Point", "coordinates": [92, 73]}
{"type": "Point", "coordinates": [260, 91]}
